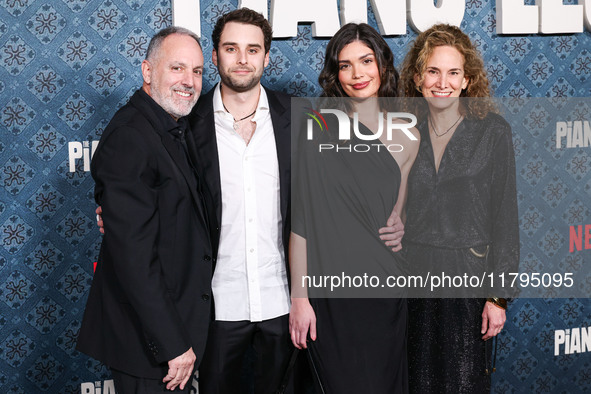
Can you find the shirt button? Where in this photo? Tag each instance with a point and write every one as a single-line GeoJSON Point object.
{"type": "Point", "coordinates": [207, 257]}
{"type": "Point", "coordinates": [250, 220]}
{"type": "Point", "coordinates": [251, 250]}
{"type": "Point", "coordinates": [205, 297]}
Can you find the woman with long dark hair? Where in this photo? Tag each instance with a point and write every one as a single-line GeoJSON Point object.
{"type": "Point", "coordinates": [341, 199]}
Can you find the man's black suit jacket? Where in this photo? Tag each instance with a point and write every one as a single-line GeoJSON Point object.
{"type": "Point", "coordinates": [150, 298]}
{"type": "Point", "coordinates": [204, 146]}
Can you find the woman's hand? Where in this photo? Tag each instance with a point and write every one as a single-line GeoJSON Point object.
{"type": "Point", "coordinates": [493, 320]}
{"type": "Point", "coordinates": [301, 319]}
{"type": "Point", "coordinates": [393, 232]}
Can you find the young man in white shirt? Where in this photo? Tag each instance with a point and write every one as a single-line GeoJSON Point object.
{"type": "Point", "coordinates": [241, 136]}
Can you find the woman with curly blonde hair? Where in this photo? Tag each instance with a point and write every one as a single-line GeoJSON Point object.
{"type": "Point", "coordinates": [461, 209]}
{"type": "Point", "coordinates": [416, 60]}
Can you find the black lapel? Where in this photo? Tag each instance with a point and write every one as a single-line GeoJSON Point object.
{"type": "Point", "coordinates": [281, 118]}
{"type": "Point", "coordinates": [149, 109]}
{"type": "Point", "coordinates": [175, 150]}
{"type": "Point", "coordinates": [202, 127]}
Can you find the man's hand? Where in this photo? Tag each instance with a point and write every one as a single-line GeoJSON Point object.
{"type": "Point", "coordinates": [180, 370]}
{"type": "Point", "coordinates": [493, 320]}
{"type": "Point", "coordinates": [393, 232]}
{"type": "Point", "coordinates": [301, 319]}
{"type": "Point", "coordinates": [99, 219]}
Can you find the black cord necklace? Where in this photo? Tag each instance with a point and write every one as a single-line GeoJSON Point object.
{"type": "Point", "coordinates": [235, 125]}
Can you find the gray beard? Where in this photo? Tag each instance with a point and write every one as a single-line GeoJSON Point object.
{"type": "Point", "coordinates": [169, 106]}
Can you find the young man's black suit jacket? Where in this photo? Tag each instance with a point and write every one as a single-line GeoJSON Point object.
{"type": "Point", "coordinates": [150, 299]}
{"type": "Point", "coordinates": [205, 146]}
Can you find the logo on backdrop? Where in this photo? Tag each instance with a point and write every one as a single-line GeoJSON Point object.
{"type": "Point", "coordinates": [573, 134]}
{"type": "Point", "coordinates": [394, 121]}
{"type": "Point", "coordinates": [579, 237]}
{"type": "Point", "coordinates": [513, 17]}
{"type": "Point", "coordinates": [81, 150]}
{"type": "Point", "coordinates": [572, 340]}
{"type": "Point", "coordinates": [105, 387]}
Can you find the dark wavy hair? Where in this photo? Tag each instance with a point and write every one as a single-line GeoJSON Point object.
{"type": "Point", "coordinates": [329, 76]}
{"type": "Point", "coordinates": [442, 34]}
{"type": "Point", "coordinates": [245, 16]}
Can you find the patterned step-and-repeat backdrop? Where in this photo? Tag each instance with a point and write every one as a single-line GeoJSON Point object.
{"type": "Point", "coordinates": [67, 65]}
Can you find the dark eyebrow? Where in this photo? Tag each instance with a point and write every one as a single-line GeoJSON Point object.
{"type": "Point", "coordinates": [248, 45]}
{"type": "Point", "coordinates": [360, 58]}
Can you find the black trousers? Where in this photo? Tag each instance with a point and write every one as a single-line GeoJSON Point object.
{"type": "Point", "coordinates": [227, 345]}
{"type": "Point", "coordinates": [129, 384]}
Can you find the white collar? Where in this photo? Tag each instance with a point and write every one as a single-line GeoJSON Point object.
{"type": "Point", "coordinates": [218, 105]}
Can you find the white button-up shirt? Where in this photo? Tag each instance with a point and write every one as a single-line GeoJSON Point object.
{"type": "Point", "coordinates": [250, 281]}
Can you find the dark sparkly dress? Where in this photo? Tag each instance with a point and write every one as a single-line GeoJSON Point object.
{"type": "Point", "coordinates": [341, 199]}
{"type": "Point", "coordinates": [469, 203]}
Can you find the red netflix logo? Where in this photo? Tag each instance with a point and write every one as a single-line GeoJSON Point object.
{"type": "Point", "coordinates": [576, 236]}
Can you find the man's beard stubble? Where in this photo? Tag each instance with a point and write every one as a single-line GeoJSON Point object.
{"type": "Point", "coordinates": [239, 86]}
